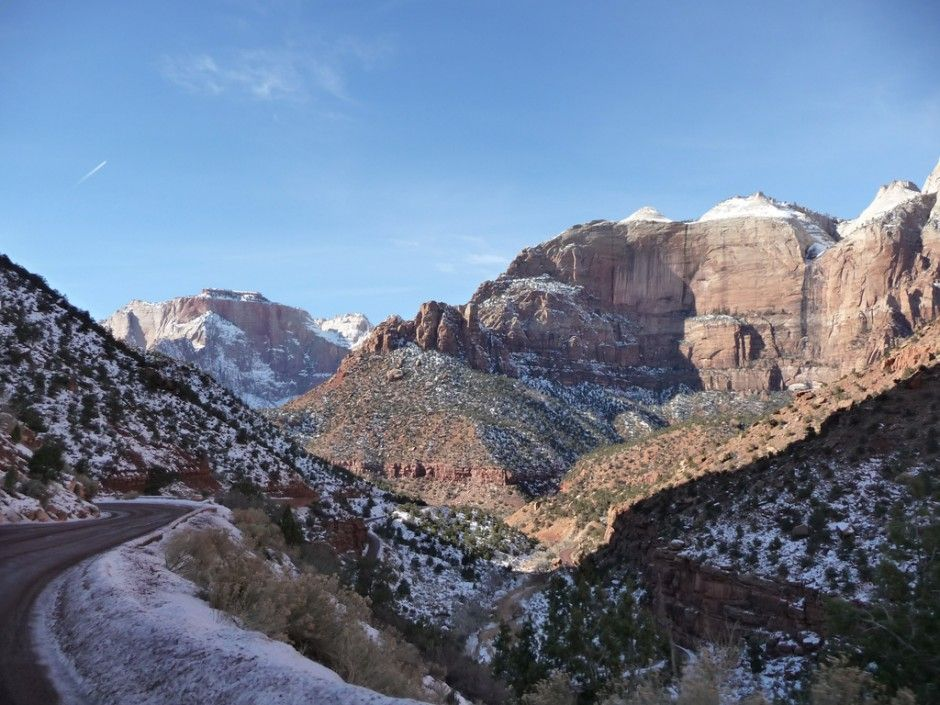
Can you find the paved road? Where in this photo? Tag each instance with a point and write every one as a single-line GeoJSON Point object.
{"type": "Point", "coordinates": [30, 557]}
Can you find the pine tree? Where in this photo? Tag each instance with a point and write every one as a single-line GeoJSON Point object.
{"type": "Point", "coordinates": [293, 533]}
{"type": "Point", "coordinates": [502, 648]}
{"type": "Point", "coordinates": [46, 463]}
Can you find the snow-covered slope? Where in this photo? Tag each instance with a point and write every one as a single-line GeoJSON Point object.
{"type": "Point", "coordinates": [350, 329]}
{"type": "Point", "coordinates": [263, 351]}
{"type": "Point", "coordinates": [932, 184]}
{"type": "Point", "coordinates": [817, 227]}
{"type": "Point", "coordinates": [889, 197]}
{"type": "Point", "coordinates": [124, 417]}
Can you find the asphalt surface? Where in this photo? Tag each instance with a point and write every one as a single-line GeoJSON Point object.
{"type": "Point", "coordinates": [31, 556]}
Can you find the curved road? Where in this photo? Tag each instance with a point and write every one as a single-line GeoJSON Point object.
{"type": "Point", "coordinates": [31, 556]}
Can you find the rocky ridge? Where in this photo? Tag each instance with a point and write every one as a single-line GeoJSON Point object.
{"type": "Point", "coordinates": [264, 352]}
{"type": "Point", "coordinates": [756, 296]}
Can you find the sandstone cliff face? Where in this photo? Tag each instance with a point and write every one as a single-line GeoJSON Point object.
{"type": "Point", "coordinates": [263, 351]}
{"type": "Point", "coordinates": [754, 296]}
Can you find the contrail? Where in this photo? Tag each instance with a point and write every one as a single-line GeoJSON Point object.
{"type": "Point", "coordinates": [91, 173]}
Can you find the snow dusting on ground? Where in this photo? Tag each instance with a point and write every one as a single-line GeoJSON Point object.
{"type": "Point", "coordinates": [95, 619]}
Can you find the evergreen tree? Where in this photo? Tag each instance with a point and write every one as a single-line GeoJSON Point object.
{"type": "Point", "coordinates": [293, 534]}
{"type": "Point", "coordinates": [46, 464]}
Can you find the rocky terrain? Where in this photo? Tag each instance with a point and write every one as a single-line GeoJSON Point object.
{"type": "Point", "coordinates": [828, 497]}
{"type": "Point", "coordinates": [757, 296]}
{"type": "Point", "coordinates": [263, 351]}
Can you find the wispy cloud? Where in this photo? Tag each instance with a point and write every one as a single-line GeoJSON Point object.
{"type": "Point", "coordinates": [274, 73]}
{"type": "Point", "coordinates": [486, 260]}
{"type": "Point", "coordinates": [91, 173]}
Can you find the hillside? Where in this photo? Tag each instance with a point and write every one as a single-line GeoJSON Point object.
{"type": "Point", "coordinates": [450, 434]}
{"type": "Point", "coordinates": [262, 351]}
{"type": "Point", "coordinates": [828, 497]}
{"type": "Point", "coordinates": [129, 420]}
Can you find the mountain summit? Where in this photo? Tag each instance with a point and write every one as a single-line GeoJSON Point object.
{"type": "Point", "coordinates": [263, 351]}
{"type": "Point", "coordinates": [554, 356]}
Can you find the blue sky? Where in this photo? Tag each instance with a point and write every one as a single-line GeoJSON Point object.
{"type": "Point", "coordinates": [373, 155]}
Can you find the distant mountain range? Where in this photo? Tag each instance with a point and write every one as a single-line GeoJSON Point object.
{"type": "Point", "coordinates": [264, 352]}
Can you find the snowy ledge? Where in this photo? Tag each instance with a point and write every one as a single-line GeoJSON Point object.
{"type": "Point", "coordinates": [122, 628]}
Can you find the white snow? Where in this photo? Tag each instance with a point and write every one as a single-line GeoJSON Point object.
{"type": "Point", "coordinates": [349, 329]}
{"type": "Point", "coordinates": [93, 622]}
{"type": "Point", "coordinates": [932, 184]}
{"type": "Point", "coordinates": [756, 205]}
{"type": "Point", "coordinates": [232, 295]}
{"type": "Point", "coordinates": [648, 214]}
{"type": "Point", "coordinates": [889, 197]}
{"type": "Point", "coordinates": [759, 205]}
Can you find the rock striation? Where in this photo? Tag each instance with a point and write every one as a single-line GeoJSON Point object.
{"type": "Point", "coordinates": [757, 296]}
{"type": "Point", "coordinates": [264, 352]}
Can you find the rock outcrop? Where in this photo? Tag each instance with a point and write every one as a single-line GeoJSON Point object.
{"type": "Point", "coordinates": [756, 296]}
{"type": "Point", "coordinates": [264, 352]}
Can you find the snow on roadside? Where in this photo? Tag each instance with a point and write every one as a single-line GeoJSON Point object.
{"type": "Point", "coordinates": [61, 504]}
{"type": "Point", "coordinates": [123, 628]}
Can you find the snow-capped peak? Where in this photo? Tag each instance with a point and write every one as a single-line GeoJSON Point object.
{"type": "Point", "coordinates": [815, 227]}
{"type": "Point", "coordinates": [932, 184]}
{"type": "Point", "coordinates": [232, 295]}
{"type": "Point", "coordinates": [757, 205]}
{"type": "Point", "coordinates": [348, 329]}
{"type": "Point", "coordinates": [889, 197]}
{"type": "Point", "coordinates": [646, 213]}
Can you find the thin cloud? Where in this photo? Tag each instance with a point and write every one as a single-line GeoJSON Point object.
{"type": "Point", "coordinates": [91, 173]}
{"type": "Point", "coordinates": [486, 260]}
{"type": "Point", "coordinates": [274, 74]}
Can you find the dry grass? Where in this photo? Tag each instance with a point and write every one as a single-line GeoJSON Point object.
{"type": "Point", "coordinates": [313, 612]}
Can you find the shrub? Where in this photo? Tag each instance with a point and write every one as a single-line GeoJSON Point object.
{"type": "Point", "coordinates": [838, 683]}
{"type": "Point", "coordinates": [90, 486]}
{"type": "Point", "coordinates": [555, 690]}
{"type": "Point", "coordinates": [36, 489]}
{"type": "Point", "coordinates": [10, 480]}
{"type": "Point", "coordinates": [46, 464]}
{"type": "Point", "coordinates": [321, 619]}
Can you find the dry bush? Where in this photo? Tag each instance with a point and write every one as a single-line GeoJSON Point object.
{"type": "Point", "coordinates": [232, 578]}
{"type": "Point", "coordinates": [838, 683]}
{"type": "Point", "coordinates": [554, 690]}
{"type": "Point", "coordinates": [258, 530]}
{"type": "Point", "coordinates": [700, 684]}
{"type": "Point", "coordinates": [320, 618]}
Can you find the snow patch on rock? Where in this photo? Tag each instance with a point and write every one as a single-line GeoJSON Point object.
{"type": "Point", "coordinates": [648, 214]}
{"type": "Point", "coordinates": [889, 197]}
{"type": "Point", "coordinates": [932, 184]}
{"type": "Point", "coordinates": [349, 329]}
{"type": "Point", "coordinates": [759, 205]}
